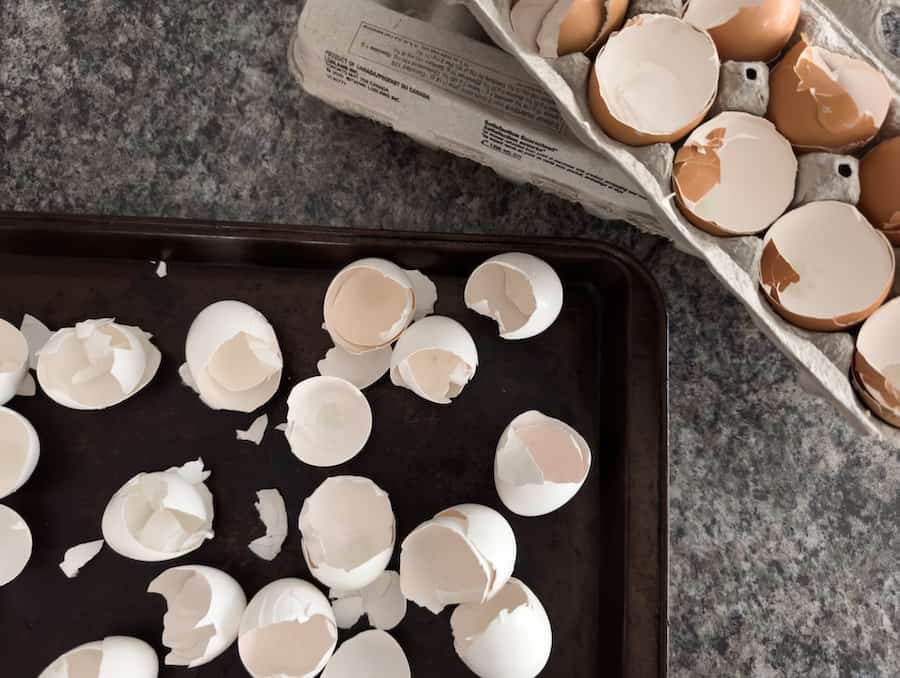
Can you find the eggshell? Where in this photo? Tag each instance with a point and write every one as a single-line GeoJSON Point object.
{"type": "Point", "coordinates": [876, 364]}
{"type": "Point", "coordinates": [255, 432]}
{"type": "Point", "coordinates": [821, 100]}
{"type": "Point", "coordinates": [348, 532]}
{"type": "Point", "coordinates": [464, 554]}
{"type": "Point", "coordinates": [112, 657]}
{"type": "Point", "coordinates": [554, 28]}
{"type": "Point", "coordinates": [233, 357]}
{"type": "Point", "coordinates": [329, 421]}
{"type": "Point", "coordinates": [78, 556]}
{"type": "Point", "coordinates": [13, 360]}
{"type": "Point", "coordinates": [879, 175]}
{"type": "Point", "coordinates": [287, 631]}
{"type": "Point", "coordinates": [205, 606]}
{"type": "Point", "coordinates": [824, 267]}
{"type": "Point", "coordinates": [735, 175]}
{"type": "Point", "coordinates": [15, 545]}
{"type": "Point", "coordinates": [160, 516]}
{"type": "Point", "coordinates": [508, 636]}
{"type": "Point", "coordinates": [746, 30]}
{"type": "Point", "coordinates": [370, 654]}
{"type": "Point", "coordinates": [20, 450]}
{"type": "Point", "coordinates": [362, 369]}
{"type": "Point", "coordinates": [382, 602]}
{"type": "Point", "coordinates": [435, 358]}
{"type": "Point", "coordinates": [37, 334]}
{"type": "Point", "coordinates": [273, 514]}
{"type": "Point", "coordinates": [654, 81]}
{"type": "Point", "coordinates": [540, 464]}
{"type": "Point", "coordinates": [521, 292]}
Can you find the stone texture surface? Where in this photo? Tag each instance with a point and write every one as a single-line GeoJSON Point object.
{"type": "Point", "coordinates": [785, 548]}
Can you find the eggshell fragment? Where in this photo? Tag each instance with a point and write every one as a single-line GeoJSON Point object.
{"type": "Point", "coordinates": [112, 657]}
{"type": "Point", "coordinates": [233, 357]}
{"type": "Point", "coordinates": [554, 28]}
{"type": "Point", "coordinates": [382, 602]}
{"type": "Point", "coordinates": [15, 545]}
{"type": "Point", "coordinates": [508, 636]}
{"type": "Point", "coordinates": [348, 532]}
{"type": "Point", "coordinates": [161, 515]}
{"type": "Point", "coordinates": [273, 514]}
{"type": "Point", "coordinates": [824, 267]}
{"type": "Point", "coordinates": [464, 554]}
{"type": "Point", "coordinates": [735, 175]}
{"type": "Point", "coordinates": [20, 450]}
{"type": "Point", "coordinates": [36, 334]}
{"type": "Point", "coordinates": [822, 100]}
{"type": "Point", "coordinates": [654, 81]}
{"type": "Point", "coordinates": [370, 654]}
{"type": "Point", "coordinates": [521, 292]}
{"type": "Point", "coordinates": [287, 631]}
{"type": "Point", "coordinates": [255, 433]}
{"type": "Point", "coordinates": [876, 365]}
{"type": "Point", "coordinates": [96, 364]}
{"type": "Point", "coordinates": [362, 370]}
{"type": "Point", "coordinates": [435, 358]}
{"type": "Point", "coordinates": [329, 421]}
{"type": "Point", "coordinates": [28, 387]}
{"type": "Point", "coordinates": [424, 291]}
{"type": "Point", "coordinates": [13, 360]}
{"type": "Point", "coordinates": [205, 606]}
{"type": "Point", "coordinates": [78, 556]}
{"type": "Point", "coordinates": [879, 175]}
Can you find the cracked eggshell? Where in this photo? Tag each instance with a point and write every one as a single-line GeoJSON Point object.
{"type": "Point", "coordinates": [876, 364]}
{"type": "Point", "coordinates": [161, 515]}
{"type": "Point", "coordinates": [112, 657]}
{"type": "Point", "coordinates": [464, 554]}
{"type": "Point", "coordinates": [233, 357]}
{"type": "Point", "coordinates": [78, 556]}
{"type": "Point", "coordinates": [435, 358]}
{"type": "Point", "coordinates": [287, 631]}
{"type": "Point", "coordinates": [879, 176]}
{"type": "Point", "coordinates": [824, 268]}
{"type": "Point", "coordinates": [382, 602]}
{"type": "Point", "coordinates": [540, 464]}
{"type": "Point", "coordinates": [15, 545]}
{"type": "Point", "coordinates": [273, 514]}
{"type": "Point", "coordinates": [735, 175]}
{"type": "Point", "coordinates": [20, 450]}
{"type": "Point", "coordinates": [746, 30]}
{"type": "Point", "coordinates": [508, 636]}
{"type": "Point", "coordinates": [348, 532]}
{"type": "Point", "coordinates": [13, 360]}
{"type": "Point", "coordinates": [654, 81]}
{"type": "Point", "coordinates": [522, 293]}
{"type": "Point", "coordinates": [362, 370]}
{"type": "Point", "coordinates": [370, 654]}
{"type": "Point", "coordinates": [204, 610]}
{"type": "Point", "coordinates": [554, 28]}
{"type": "Point", "coordinates": [822, 100]}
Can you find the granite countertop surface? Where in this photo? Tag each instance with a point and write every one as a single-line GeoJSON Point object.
{"type": "Point", "coordinates": [784, 539]}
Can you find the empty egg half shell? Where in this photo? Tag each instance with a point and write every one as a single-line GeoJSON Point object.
{"type": "Point", "coordinates": [96, 364]}
{"type": "Point", "coordinates": [13, 360]}
{"type": "Point", "coordinates": [654, 81]}
{"type": "Point", "coordinates": [508, 636]}
{"type": "Point", "coordinates": [735, 175]}
{"type": "Point", "coordinates": [287, 631]}
{"type": "Point", "coordinates": [876, 365]}
{"type": "Point", "coordinates": [435, 358]}
{"type": "Point", "coordinates": [233, 357]}
{"type": "Point", "coordinates": [205, 606]}
{"type": "Point", "coordinates": [20, 449]}
{"type": "Point", "coordinates": [465, 554]}
{"type": "Point", "coordinates": [329, 421]}
{"type": "Point", "coordinates": [879, 176]}
{"type": "Point", "coordinates": [15, 545]}
{"type": "Point", "coordinates": [541, 463]}
{"type": "Point", "coordinates": [161, 515]}
{"type": "Point", "coordinates": [112, 657]}
{"type": "Point", "coordinates": [824, 267]}
{"type": "Point", "coordinates": [370, 654]}
{"type": "Point", "coordinates": [746, 30]}
{"type": "Point", "coordinates": [822, 100]}
{"type": "Point", "coordinates": [348, 532]}
{"type": "Point", "coordinates": [554, 28]}
{"type": "Point", "coordinates": [522, 293]}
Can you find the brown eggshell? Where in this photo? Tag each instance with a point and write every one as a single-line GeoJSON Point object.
{"type": "Point", "coordinates": [755, 33]}
{"type": "Point", "coordinates": [876, 407]}
{"type": "Point", "coordinates": [879, 176]}
{"type": "Point", "coordinates": [580, 27]}
{"type": "Point", "coordinates": [615, 17]}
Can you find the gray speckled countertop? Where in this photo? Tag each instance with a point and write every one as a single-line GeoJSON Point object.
{"type": "Point", "coordinates": [784, 539]}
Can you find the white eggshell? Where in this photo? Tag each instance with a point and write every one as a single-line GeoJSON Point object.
{"type": "Point", "coordinates": [382, 602]}
{"type": "Point", "coordinates": [434, 358]}
{"type": "Point", "coordinates": [112, 657]}
{"type": "Point", "coordinates": [15, 545]}
{"type": "Point", "coordinates": [329, 421]}
{"type": "Point", "coordinates": [464, 554]}
{"type": "Point", "coordinates": [370, 654]}
{"type": "Point", "coordinates": [521, 292]}
{"type": "Point", "coordinates": [360, 369]}
{"type": "Point", "coordinates": [348, 532]}
{"type": "Point", "coordinates": [273, 514]}
{"type": "Point", "coordinates": [160, 516]}
{"type": "Point", "coordinates": [287, 631]}
{"type": "Point", "coordinates": [233, 357]}
{"type": "Point", "coordinates": [20, 449]}
{"type": "Point", "coordinates": [78, 556]}
{"type": "Point", "coordinates": [205, 606]}
{"type": "Point", "coordinates": [13, 360]}
{"type": "Point", "coordinates": [509, 636]}
{"type": "Point", "coordinates": [255, 432]}
{"type": "Point", "coordinates": [425, 292]}
{"type": "Point", "coordinates": [36, 334]}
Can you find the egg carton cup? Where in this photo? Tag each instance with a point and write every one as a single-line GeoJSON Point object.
{"type": "Point", "coordinates": [824, 359]}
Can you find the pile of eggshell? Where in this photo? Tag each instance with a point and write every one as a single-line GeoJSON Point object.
{"type": "Point", "coordinates": [776, 167]}
{"type": "Point", "coordinates": [380, 318]}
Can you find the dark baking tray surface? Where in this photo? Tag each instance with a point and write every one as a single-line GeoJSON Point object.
{"type": "Point", "coordinates": [599, 564]}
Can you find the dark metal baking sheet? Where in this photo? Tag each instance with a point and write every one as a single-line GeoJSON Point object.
{"type": "Point", "coordinates": [599, 564]}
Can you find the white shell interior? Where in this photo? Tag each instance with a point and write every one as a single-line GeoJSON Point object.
{"type": "Point", "coordinates": [273, 514]}
{"type": "Point", "coordinates": [370, 654]}
{"type": "Point", "coordinates": [527, 18]}
{"type": "Point", "coordinates": [36, 334]}
{"type": "Point", "coordinates": [15, 545]}
{"type": "Point", "coordinates": [708, 14]}
{"type": "Point", "coordinates": [19, 451]}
